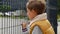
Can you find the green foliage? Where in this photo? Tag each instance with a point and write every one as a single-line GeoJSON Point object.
{"type": "Point", "coordinates": [58, 7]}
{"type": "Point", "coordinates": [4, 8]}
{"type": "Point", "coordinates": [59, 3]}
{"type": "Point", "coordinates": [58, 12]}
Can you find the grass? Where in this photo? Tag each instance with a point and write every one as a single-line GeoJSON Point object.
{"type": "Point", "coordinates": [58, 18]}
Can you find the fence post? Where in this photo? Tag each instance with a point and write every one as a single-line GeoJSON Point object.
{"type": "Point", "coordinates": [52, 13]}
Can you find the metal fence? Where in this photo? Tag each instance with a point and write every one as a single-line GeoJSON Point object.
{"type": "Point", "coordinates": [10, 23]}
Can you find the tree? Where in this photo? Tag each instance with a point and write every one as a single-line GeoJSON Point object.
{"type": "Point", "coordinates": [4, 8]}
{"type": "Point", "coordinates": [58, 7]}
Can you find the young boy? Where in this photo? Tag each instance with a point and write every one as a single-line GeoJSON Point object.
{"type": "Point", "coordinates": [39, 23]}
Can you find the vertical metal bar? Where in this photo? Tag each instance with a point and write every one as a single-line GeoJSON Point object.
{"type": "Point", "coordinates": [52, 13]}
{"type": "Point", "coordinates": [2, 20]}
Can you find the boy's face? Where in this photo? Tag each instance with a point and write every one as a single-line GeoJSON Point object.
{"type": "Point", "coordinates": [31, 13]}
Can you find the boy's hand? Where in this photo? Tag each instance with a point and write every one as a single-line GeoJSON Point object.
{"type": "Point", "coordinates": [24, 29]}
{"type": "Point", "coordinates": [23, 25]}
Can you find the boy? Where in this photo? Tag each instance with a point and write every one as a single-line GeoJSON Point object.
{"type": "Point", "coordinates": [39, 23]}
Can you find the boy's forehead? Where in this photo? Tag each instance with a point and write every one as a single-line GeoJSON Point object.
{"type": "Point", "coordinates": [27, 4]}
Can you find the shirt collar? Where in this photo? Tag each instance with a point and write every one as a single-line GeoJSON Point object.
{"type": "Point", "coordinates": [39, 17]}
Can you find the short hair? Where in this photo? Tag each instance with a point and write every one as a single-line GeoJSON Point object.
{"type": "Point", "coordinates": [38, 6]}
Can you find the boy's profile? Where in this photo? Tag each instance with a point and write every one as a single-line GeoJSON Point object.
{"type": "Point", "coordinates": [39, 23]}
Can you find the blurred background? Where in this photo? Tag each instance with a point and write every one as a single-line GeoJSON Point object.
{"type": "Point", "coordinates": [13, 13]}
{"type": "Point", "coordinates": [58, 13]}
